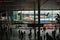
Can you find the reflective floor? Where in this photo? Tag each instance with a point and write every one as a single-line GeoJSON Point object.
{"type": "Point", "coordinates": [17, 34]}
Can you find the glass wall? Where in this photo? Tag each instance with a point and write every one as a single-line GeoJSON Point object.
{"type": "Point", "coordinates": [47, 17]}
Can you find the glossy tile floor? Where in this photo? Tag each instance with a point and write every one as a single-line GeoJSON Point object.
{"type": "Point", "coordinates": [15, 35]}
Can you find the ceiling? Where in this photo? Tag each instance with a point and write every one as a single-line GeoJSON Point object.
{"type": "Point", "coordinates": [16, 4]}
{"type": "Point", "coordinates": [21, 4]}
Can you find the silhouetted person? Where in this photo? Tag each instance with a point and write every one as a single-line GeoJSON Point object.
{"type": "Point", "coordinates": [37, 32]}
{"type": "Point", "coordinates": [40, 38]}
{"type": "Point", "coordinates": [19, 34]}
{"type": "Point", "coordinates": [29, 36]}
{"type": "Point", "coordinates": [58, 18]}
{"type": "Point", "coordinates": [44, 29]}
{"type": "Point", "coordinates": [24, 32]}
{"type": "Point", "coordinates": [37, 35]}
{"type": "Point", "coordinates": [24, 35]}
{"type": "Point", "coordinates": [11, 30]}
{"type": "Point", "coordinates": [48, 37]}
{"type": "Point", "coordinates": [58, 15]}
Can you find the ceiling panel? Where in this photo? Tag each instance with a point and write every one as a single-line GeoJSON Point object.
{"type": "Point", "coordinates": [23, 4]}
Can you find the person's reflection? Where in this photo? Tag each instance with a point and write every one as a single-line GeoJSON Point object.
{"type": "Point", "coordinates": [48, 37]}
{"type": "Point", "coordinates": [19, 34]}
{"type": "Point", "coordinates": [29, 37]}
{"type": "Point", "coordinates": [22, 35]}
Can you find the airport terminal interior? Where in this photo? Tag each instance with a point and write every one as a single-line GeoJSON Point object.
{"type": "Point", "coordinates": [29, 19]}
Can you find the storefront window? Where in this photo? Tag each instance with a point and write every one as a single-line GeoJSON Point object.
{"type": "Point", "coordinates": [46, 16]}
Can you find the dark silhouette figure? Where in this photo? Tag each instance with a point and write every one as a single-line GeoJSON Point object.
{"type": "Point", "coordinates": [48, 37]}
{"type": "Point", "coordinates": [29, 36]}
{"type": "Point", "coordinates": [11, 30]}
{"type": "Point", "coordinates": [19, 34]}
{"type": "Point", "coordinates": [38, 36]}
{"type": "Point", "coordinates": [58, 15]}
{"type": "Point", "coordinates": [44, 28]}
{"type": "Point", "coordinates": [24, 35]}
{"type": "Point", "coordinates": [24, 32]}
{"type": "Point", "coordinates": [58, 18]}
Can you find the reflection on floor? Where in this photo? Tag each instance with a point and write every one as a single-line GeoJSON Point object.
{"type": "Point", "coordinates": [17, 34]}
